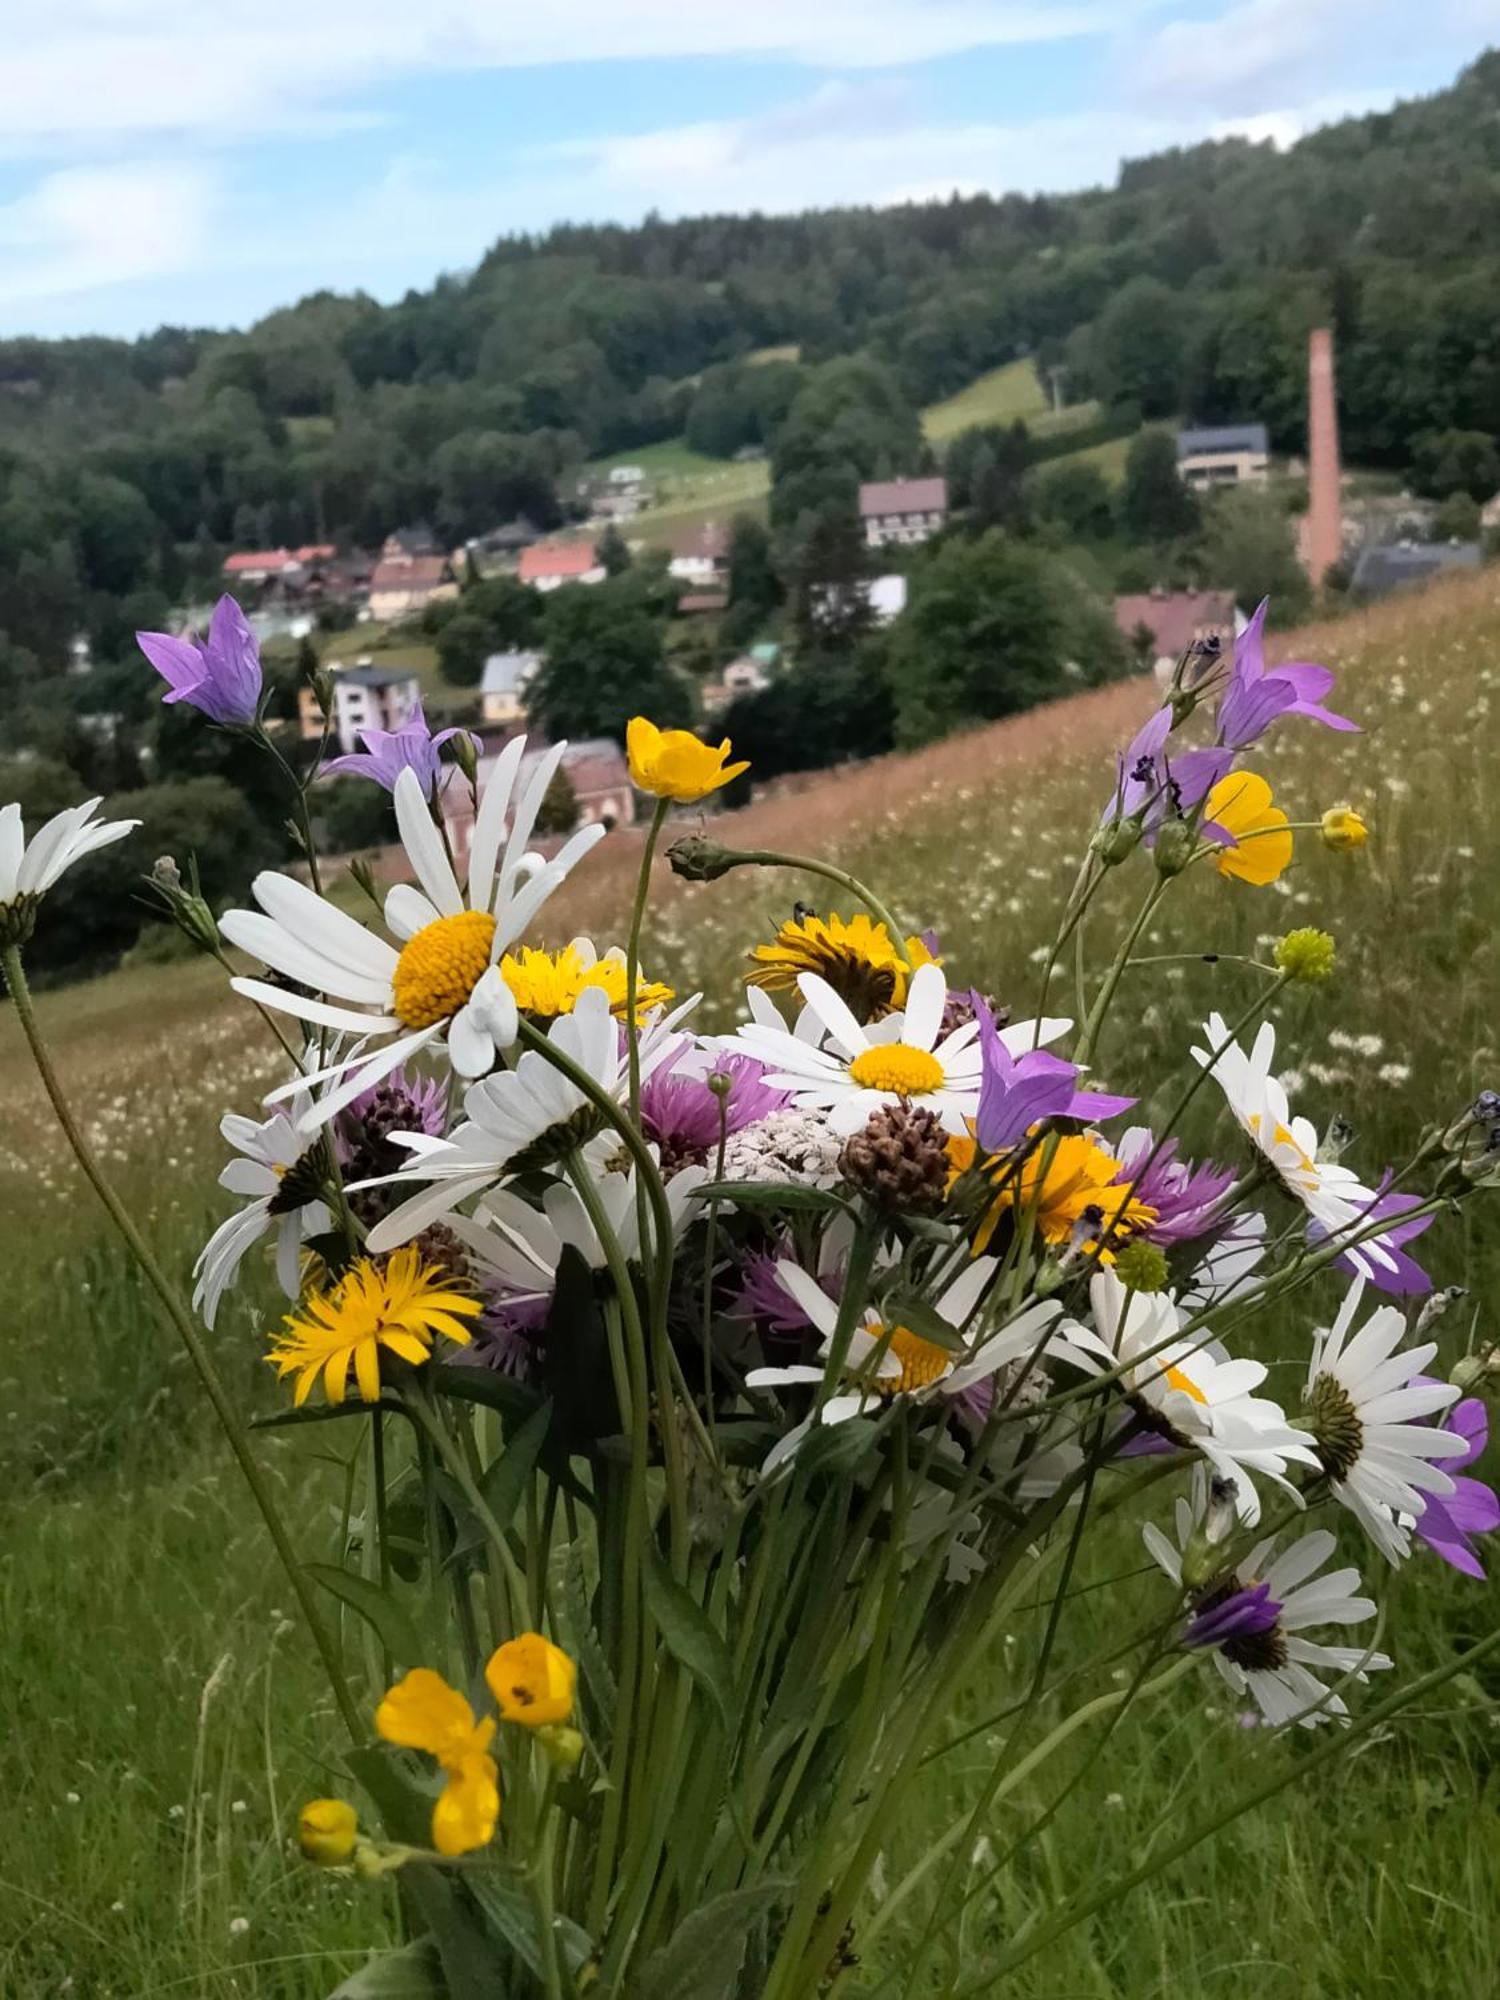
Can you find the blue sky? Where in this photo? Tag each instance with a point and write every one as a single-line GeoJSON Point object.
{"type": "Point", "coordinates": [171, 161]}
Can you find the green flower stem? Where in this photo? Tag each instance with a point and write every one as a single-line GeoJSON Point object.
{"type": "Point", "coordinates": [419, 1402]}
{"type": "Point", "coordinates": [186, 1328]}
{"type": "Point", "coordinates": [544, 1888]}
{"type": "Point", "coordinates": [1084, 1048]}
{"type": "Point", "coordinates": [768, 858]}
{"type": "Point", "coordinates": [633, 959]}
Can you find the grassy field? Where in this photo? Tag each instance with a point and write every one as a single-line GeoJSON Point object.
{"type": "Point", "coordinates": [160, 1715]}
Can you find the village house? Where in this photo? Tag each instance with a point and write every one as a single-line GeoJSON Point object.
{"type": "Point", "coordinates": [902, 510]}
{"type": "Point", "coordinates": [500, 549]}
{"type": "Point", "coordinates": [503, 685]}
{"type": "Point", "coordinates": [1403, 565]}
{"type": "Point", "coordinates": [1226, 455]}
{"type": "Point", "coordinates": [597, 772]}
{"type": "Point", "coordinates": [549, 565]}
{"type": "Point", "coordinates": [743, 675]}
{"type": "Point", "coordinates": [1164, 623]}
{"type": "Point", "coordinates": [276, 565]}
{"type": "Point", "coordinates": [699, 555]}
{"type": "Point", "coordinates": [402, 588]}
{"type": "Point", "coordinates": [364, 697]}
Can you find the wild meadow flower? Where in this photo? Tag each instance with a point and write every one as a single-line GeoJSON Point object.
{"type": "Point", "coordinates": [1183, 1198]}
{"type": "Point", "coordinates": [388, 752]}
{"type": "Point", "coordinates": [684, 1111]}
{"type": "Point", "coordinates": [1241, 806]}
{"type": "Point", "coordinates": [1153, 785]}
{"type": "Point", "coordinates": [219, 676]}
{"type": "Point", "coordinates": [545, 984]}
{"type": "Point", "coordinates": [1343, 829]}
{"type": "Point", "coordinates": [283, 1173]}
{"type": "Point", "coordinates": [1449, 1522]}
{"type": "Point", "coordinates": [440, 979]}
{"type": "Point", "coordinates": [1018, 1091]}
{"type": "Point", "coordinates": [1067, 1181]}
{"type": "Point", "coordinates": [400, 1307]}
{"type": "Point", "coordinates": [856, 955]}
{"type": "Point", "coordinates": [327, 1832]}
{"type": "Point", "coordinates": [1257, 695]}
{"type": "Point", "coordinates": [533, 1681]}
{"type": "Point", "coordinates": [675, 764]}
{"type": "Point", "coordinates": [421, 1712]}
{"type": "Point", "coordinates": [29, 869]}
{"type": "Point", "coordinates": [1364, 1406]}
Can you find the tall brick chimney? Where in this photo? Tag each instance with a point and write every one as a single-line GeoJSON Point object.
{"type": "Point", "coordinates": [1322, 536]}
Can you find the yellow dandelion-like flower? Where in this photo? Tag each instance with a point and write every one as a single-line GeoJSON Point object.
{"type": "Point", "coordinates": [675, 764]}
{"type": "Point", "coordinates": [400, 1304]}
{"type": "Point", "coordinates": [532, 1680]}
{"type": "Point", "coordinates": [1241, 804]}
{"type": "Point", "coordinates": [421, 1712]}
{"type": "Point", "coordinates": [546, 984]}
{"type": "Point", "coordinates": [855, 955]}
{"type": "Point", "coordinates": [1067, 1179]}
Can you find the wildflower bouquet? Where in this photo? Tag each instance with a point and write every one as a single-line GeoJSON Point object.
{"type": "Point", "coordinates": [713, 1400]}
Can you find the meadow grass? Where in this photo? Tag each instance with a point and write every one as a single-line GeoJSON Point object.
{"type": "Point", "coordinates": [159, 1715]}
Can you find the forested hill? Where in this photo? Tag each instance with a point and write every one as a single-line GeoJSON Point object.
{"type": "Point", "coordinates": [1189, 287]}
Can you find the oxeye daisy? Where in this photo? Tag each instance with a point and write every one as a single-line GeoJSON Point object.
{"type": "Point", "coordinates": [283, 1173]}
{"type": "Point", "coordinates": [850, 1071]}
{"type": "Point", "coordinates": [1364, 1407]}
{"type": "Point", "coordinates": [437, 974]}
{"type": "Point", "coordinates": [421, 1712]}
{"type": "Point", "coordinates": [856, 955]}
{"type": "Point", "coordinates": [1254, 1618]}
{"type": "Point", "coordinates": [401, 1305]}
{"type": "Point", "coordinates": [28, 869]}
{"type": "Point", "coordinates": [1188, 1392]}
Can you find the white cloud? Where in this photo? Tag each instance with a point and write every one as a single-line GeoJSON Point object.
{"type": "Point", "coordinates": [85, 227]}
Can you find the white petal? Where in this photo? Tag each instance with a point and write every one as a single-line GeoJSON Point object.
{"type": "Point", "coordinates": [322, 1016]}
{"type": "Point", "coordinates": [323, 926]}
{"type": "Point", "coordinates": [489, 823]}
{"type": "Point", "coordinates": [925, 999]}
{"type": "Point", "coordinates": [263, 938]}
{"type": "Point", "coordinates": [12, 847]}
{"type": "Point", "coordinates": [408, 911]}
{"type": "Point", "coordinates": [424, 845]}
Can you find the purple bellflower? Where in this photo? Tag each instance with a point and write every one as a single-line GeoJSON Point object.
{"type": "Point", "coordinates": [1448, 1521]}
{"type": "Point", "coordinates": [389, 752]}
{"type": "Point", "coordinates": [1017, 1091]}
{"type": "Point", "coordinates": [1258, 694]}
{"type": "Point", "coordinates": [1382, 1259]}
{"type": "Point", "coordinates": [1150, 785]}
{"type": "Point", "coordinates": [219, 676]}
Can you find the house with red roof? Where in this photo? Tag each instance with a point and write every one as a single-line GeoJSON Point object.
{"type": "Point", "coordinates": [549, 565]}
{"type": "Point", "coordinates": [1163, 624]}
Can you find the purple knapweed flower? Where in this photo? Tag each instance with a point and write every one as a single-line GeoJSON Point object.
{"type": "Point", "coordinates": [1258, 694]}
{"type": "Point", "coordinates": [1183, 1195]}
{"type": "Point", "coordinates": [389, 752]}
{"type": "Point", "coordinates": [1245, 1613]}
{"type": "Point", "coordinates": [1447, 1521]}
{"type": "Point", "coordinates": [681, 1113]}
{"type": "Point", "coordinates": [1017, 1091]}
{"type": "Point", "coordinates": [220, 676]}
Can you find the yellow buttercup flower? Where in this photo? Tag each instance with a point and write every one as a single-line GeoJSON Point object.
{"type": "Point", "coordinates": [1241, 804]}
{"type": "Point", "coordinates": [856, 955]}
{"type": "Point", "coordinates": [400, 1304]}
{"type": "Point", "coordinates": [327, 1830]}
{"type": "Point", "coordinates": [421, 1712]}
{"type": "Point", "coordinates": [532, 1680]}
{"type": "Point", "coordinates": [1343, 829]}
{"type": "Point", "coordinates": [546, 984]}
{"type": "Point", "coordinates": [1067, 1179]}
{"type": "Point", "coordinates": [675, 764]}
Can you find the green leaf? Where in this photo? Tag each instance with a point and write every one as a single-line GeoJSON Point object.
{"type": "Point", "coordinates": [503, 1482]}
{"type": "Point", "coordinates": [483, 1385]}
{"type": "Point", "coordinates": [703, 1957]}
{"type": "Point", "coordinates": [575, 1627]}
{"type": "Point", "coordinates": [415, 1972]}
{"type": "Point", "coordinates": [510, 1911]}
{"type": "Point", "coordinates": [690, 1638]}
{"type": "Point", "coordinates": [919, 1318]}
{"type": "Point", "coordinates": [772, 1194]}
{"type": "Point", "coordinates": [377, 1607]}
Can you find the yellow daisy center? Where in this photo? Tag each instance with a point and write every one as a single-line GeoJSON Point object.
{"type": "Point", "coordinates": [1184, 1384]}
{"type": "Point", "coordinates": [898, 1067]}
{"type": "Point", "coordinates": [440, 967]}
{"type": "Point", "coordinates": [923, 1362]}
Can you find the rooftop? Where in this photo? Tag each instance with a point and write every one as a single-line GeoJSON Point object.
{"type": "Point", "coordinates": [508, 673]}
{"type": "Point", "coordinates": [903, 496]}
{"type": "Point", "coordinates": [375, 677]}
{"type": "Point", "coordinates": [1223, 437]}
{"type": "Point", "coordinates": [1404, 563]}
{"type": "Point", "coordinates": [1174, 618]}
{"type": "Point", "coordinates": [420, 573]}
{"type": "Point", "coordinates": [557, 559]}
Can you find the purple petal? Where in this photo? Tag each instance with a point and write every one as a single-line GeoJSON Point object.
{"type": "Point", "coordinates": [178, 661]}
{"type": "Point", "coordinates": [1094, 1105]}
{"type": "Point", "coordinates": [1472, 1506]}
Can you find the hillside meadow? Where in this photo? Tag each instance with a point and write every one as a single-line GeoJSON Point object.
{"type": "Point", "coordinates": [161, 1715]}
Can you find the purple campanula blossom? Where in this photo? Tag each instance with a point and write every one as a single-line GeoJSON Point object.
{"type": "Point", "coordinates": [681, 1114]}
{"type": "Point", "coordinates": [220, 676]}
{"type": "Point", "coordinates": [1183, 1195]}
{"type": "Point", "coordinates": [1258, 694]}
{"type": "Point", "coordinates": [1448, 1521]}
{"type": "Point", "coordinates": [1382, 1258]}
{"type": "Point", "coordinates": [1247, 1611]}
{"type": "Point", "coordinates": [1018, 1091]}
{"type": "Point", "coordinates": [1150, 784]}
{"type": "Point", "coordinates": [389, 752]}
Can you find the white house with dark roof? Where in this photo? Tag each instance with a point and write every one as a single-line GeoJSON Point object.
{"type": "Point", "coordinates": [503, 685]}
{"type": "Point", "coordinates": [902, 510]}
{"type": "Point", "coordinates": [364, 697]}
{"type": "Point", "coordinates": [1224, 455]}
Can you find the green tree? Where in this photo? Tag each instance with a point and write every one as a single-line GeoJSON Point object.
{"type": "Point", "coordinates": [558, 811]}
{"type": "Point", "coordinates": [755, 589]}
{"type": "Point", "coordinates": [986, 469]}
{"type": "Point", "coordinates": [1155, 503]}
{"type": "Point", "coordinates": [1457, 519]}
{"type": "Point", "coordinates": [849, 421]}
{"type": "Point", "coordinates": [463, 646]}
{"type": "Point", "coordinates": [1137, 349]}
{"type": "Point", "coordinates": [1248, 547]}
{"type": "Point", "coordinates": [612, 551]}
{"type": "Point", "coordinates": [602, 664]}
{"type": "Point", "coordinates": [1077, 498]}
{"type": "Point", "coordinates": [1453, 461]}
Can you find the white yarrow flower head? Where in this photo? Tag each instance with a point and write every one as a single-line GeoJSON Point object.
{"type": "Point", "coordinates": [281, 1170]}
{"type": "Point", "coordinates": [1255, 1619]}
{"type": "Point", "coordinates": [438, 972]}
{"type": "Point", "coordinates": [1365, 1408]}
{"type": "Point", "coordinates": [849, 1069]}
{"type": "Point", "coordinates": [28, 869]}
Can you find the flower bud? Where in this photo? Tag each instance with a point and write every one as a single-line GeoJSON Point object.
{"type": "Point", "coordinates": [697, 859]}
{"type": "Point", "coordinates": [184, 904]}
{"type": "Point", "coordinates": [1343, 829]}
{"type": "Point", "coordinates": [532, 1681]}
{"type": "Point", "coordinates": [564, 1746]}
{"type": "Point", "coordinates": [1142, 1267]}
{"type": "Point", "coordinates": [461, 749]}
{"type": "Point", "coordinates": [1202, 1559]}
{"type": "Point", "coordinates": [1176, 843]}
{"type": "Point", "coordinates": [1117, 839]}
{"type": "Point", "coordinates": [1305, 956]}
{"type": "Point", "coordinates": [327, 1832]}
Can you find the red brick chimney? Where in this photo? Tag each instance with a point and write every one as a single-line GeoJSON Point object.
{"type": "Point", "coordinates": [1322, 536]}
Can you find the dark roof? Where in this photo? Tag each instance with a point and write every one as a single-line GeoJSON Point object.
{"type": "Point", "coordinates": [1223, 437]}
{"type": "Point", "coordinates": [375, 677]}
{"type": "Point", "coordinates": [903, 496]}
{"type": "Point", "coordinates": [1397, 567]}
{"type": "Point", "coordinates": [508, 673]}
{"type": "Point", "coordinates": [420, 541]}
{"type": "Point", "coordinates": [703, 600]}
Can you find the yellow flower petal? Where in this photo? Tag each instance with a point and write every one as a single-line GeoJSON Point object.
{"type": "Point", "coordinates": [1241, 804]}
{"type": "Point", "coordinates": [675, 764]}
{"type": "Point", "coordinates": [532, 1680]}
{"type": "Point", "coordinates": [421, 1712]}
{"type": "Point", "coordinates": [466, 1812]}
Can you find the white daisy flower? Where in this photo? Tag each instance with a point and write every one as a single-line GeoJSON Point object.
{"type": "Point", "coordinates": [852, 1069]}
{"type": "Point", "coordinates": [29, 869]}
{"type": "Point", "coordinates": [523, 1118]}
{"type": "Point", "coordinates": [885, 1361]}
{"type": "Point", "coordinates": [440, 976]}
{"type": "Point", "coordinates": [1254, 1619]}
{"type": "Point", "coordinates": [1334, 1196]}
{"type": "Point", "coordinates": [281, 1170]}
{"type": "Point", "coordinates": [1189, 1391]}
{"type": "Point", "coordinates": [1364, 1408]}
